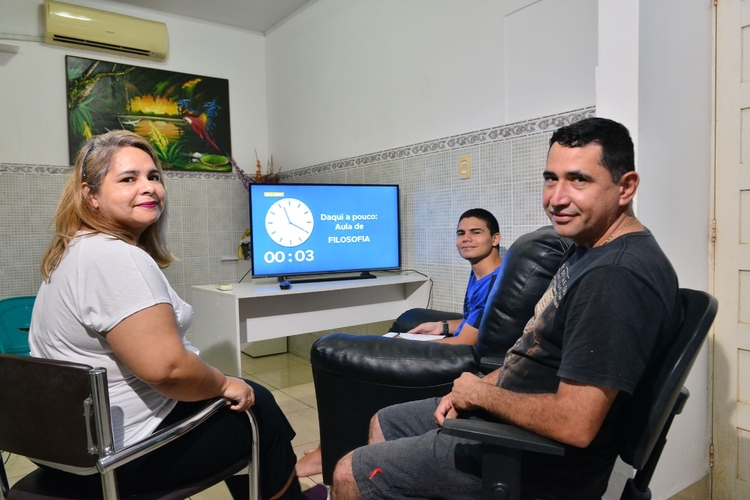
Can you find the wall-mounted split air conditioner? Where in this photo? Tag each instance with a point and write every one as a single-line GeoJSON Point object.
{"type": "Point", "coordinates": [92, 29]}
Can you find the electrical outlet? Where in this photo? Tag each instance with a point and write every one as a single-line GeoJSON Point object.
{"type": "Point", "coordinates": [464, 167]}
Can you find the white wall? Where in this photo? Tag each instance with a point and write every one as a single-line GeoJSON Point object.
{"type": "Point", "coordinates": [350, 77]}
{"type": "Point", "coordinates": [617, 68]}
{"type": "Point", "coordinates": [34, 128]}
{"type": "Point", "coordinates": [655, 75]}
{"type": "Point", "coordinates": [675, 164]}
{"type": "Point", "coordinates": [550, 55]}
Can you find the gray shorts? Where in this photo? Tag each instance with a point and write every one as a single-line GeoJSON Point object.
{"type": "Point", "coordinates": [417, 460]}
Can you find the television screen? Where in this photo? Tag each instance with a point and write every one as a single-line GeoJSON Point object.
{"type": "Point", "coordinates": [301, 229]}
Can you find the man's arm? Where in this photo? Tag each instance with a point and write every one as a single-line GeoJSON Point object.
{"type": "Point", "coordinates": [573, 415]}
{"type": "Point", "coordinates": [493, 377]}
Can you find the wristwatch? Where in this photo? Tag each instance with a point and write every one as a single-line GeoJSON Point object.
{"type": "Point", "coordinates": [446, 330]}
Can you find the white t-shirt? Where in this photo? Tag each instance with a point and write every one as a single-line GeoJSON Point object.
{"type": "Point", "coordinates": [101, 281]}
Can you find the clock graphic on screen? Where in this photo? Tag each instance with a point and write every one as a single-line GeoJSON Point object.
{"type": "Point", "coordinates": [289, 222]}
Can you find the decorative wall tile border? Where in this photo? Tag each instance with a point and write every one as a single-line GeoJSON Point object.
{"type": "Point", "coordinates": [494, 134]}
{"type": "Point", "coordinates": [11, 168]}
{"type": "Point", "coordinates": [214, 176]}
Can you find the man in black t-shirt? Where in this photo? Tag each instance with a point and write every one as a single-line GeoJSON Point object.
{"type": "Point", "coordinates": [608, 312]}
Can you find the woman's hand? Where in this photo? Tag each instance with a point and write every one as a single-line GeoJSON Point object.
{"type": "Point", "coordinates": [241, 394]}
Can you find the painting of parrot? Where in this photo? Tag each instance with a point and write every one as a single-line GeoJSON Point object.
{"type": "Point", "coordinates": [180, 114]}
{"type": "Point", "coordinates": [199, 127]}
{"type": "Point", "coordinates": [201, 122]}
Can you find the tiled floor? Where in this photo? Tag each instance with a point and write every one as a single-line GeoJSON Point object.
{"type": "Point", "coordinates": [289, 378]}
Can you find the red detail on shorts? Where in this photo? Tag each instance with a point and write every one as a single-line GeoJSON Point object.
{"type": "Point", "coordinates": [372, 475]}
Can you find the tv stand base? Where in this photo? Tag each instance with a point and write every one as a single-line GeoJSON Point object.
{"type": "Point", "coordinates": [225, 320]}
{"type": "Point", "coordinates": [362, 276]}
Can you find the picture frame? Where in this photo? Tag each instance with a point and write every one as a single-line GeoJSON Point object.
{"type": "Point", "coordinates": [184, 116]}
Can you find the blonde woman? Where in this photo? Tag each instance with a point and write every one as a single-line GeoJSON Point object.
{"type": "Point", "coordinates": [105, 302]}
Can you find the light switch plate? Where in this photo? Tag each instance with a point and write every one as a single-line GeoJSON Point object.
{"type": "Point", "coordinates": [464, 167]}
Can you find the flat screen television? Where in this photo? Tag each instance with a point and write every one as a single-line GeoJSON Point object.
{"type": "Point", "coordinates": [304, 229]}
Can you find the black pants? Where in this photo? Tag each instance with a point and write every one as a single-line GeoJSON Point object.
{"type": "Point", "coordinates": [216, 444]}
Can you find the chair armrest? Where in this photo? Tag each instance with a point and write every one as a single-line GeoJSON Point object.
{"type": "Point", "coordinates": [508, 436]}
{"type": "Point", "coordinates": [159, 439]}
{"type": "Point", "coordinates": [355, 376]}
{"type": "Point", "coordinates": [392, 361]}
{"type": "Point", "coordinates": [682, 398]}
{"type": "Point", "coordinates": [503, 448]}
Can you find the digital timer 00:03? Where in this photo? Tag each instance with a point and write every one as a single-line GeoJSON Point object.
{"type": "Point", "coordinates": [279, 256]}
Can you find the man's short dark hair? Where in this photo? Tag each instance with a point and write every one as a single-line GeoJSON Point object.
{"type": "Point", "coordinates": [618, 155]}
{"type": "Point", "coordinates": [485, 216]}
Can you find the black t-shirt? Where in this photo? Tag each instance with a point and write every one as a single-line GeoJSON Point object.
{"type": "Point", "coordinates": [607, 312]}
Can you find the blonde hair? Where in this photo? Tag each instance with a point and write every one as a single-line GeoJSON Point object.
{"type": "Point", "coordinates": [74, 212]}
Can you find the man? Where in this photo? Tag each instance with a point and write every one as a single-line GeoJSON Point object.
{"type": "Point", "coordinates": [477, 241]}
{"type": "Point", "coordinates": [609, 310]}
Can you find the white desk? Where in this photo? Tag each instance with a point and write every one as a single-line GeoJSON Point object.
{"type": "Point", "coordinates": [260, 310]}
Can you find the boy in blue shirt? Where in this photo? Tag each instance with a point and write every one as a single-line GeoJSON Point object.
{"type": "Point", "coordinates": [477, 241]}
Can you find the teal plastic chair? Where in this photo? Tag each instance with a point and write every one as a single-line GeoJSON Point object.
{"type": "Point", "coordinates": [15, 318]}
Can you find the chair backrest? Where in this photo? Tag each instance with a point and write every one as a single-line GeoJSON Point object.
{"type": "Point", "coordinates": [43, 408]}
{"type": "Point", "coordinates": [528, 267]}
{"type": "Point", "coordinates": [15, 318]}
{"type": "Point", "coordinates": [648, 410]}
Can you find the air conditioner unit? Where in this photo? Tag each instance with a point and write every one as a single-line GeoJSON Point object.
{"type": "Point", "coordinates": [92, 29]}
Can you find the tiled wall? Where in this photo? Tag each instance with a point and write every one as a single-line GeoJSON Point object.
{"type": "Point", "coordinates": [207, 215]}
{"type": "Point", "coordinates": [209, 212]}
{"type": "Point", "coordinates": [506, 179]}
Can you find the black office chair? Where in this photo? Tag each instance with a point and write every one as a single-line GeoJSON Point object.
{"type": "Point", "coordinates": [643, 426]}
{"type": "Point", "coordinates": [57, 413]}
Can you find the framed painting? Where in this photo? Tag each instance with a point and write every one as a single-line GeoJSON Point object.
{"type": "Point", "coordinates": [185, 117]}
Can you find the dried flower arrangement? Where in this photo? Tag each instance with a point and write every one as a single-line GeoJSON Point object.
{"type": "Point", "coordinates": [270, 177]}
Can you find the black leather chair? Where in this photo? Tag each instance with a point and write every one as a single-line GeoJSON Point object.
{"type": "Point", "coordinates": [355, 376]}
{"type": "Point", "coordinates": [57, 413]}
{"type": "Point", "coordinates": [644, 424]}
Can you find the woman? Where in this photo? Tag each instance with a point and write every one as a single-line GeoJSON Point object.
{"type": "Point", "coordinates": [105, 302]}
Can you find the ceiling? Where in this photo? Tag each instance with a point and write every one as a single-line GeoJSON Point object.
{"type": "Point", "coordinates": [253, 15]}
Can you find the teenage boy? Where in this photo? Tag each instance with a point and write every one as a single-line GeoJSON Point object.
{"type": "Point", "coordinates": [477, 241]}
